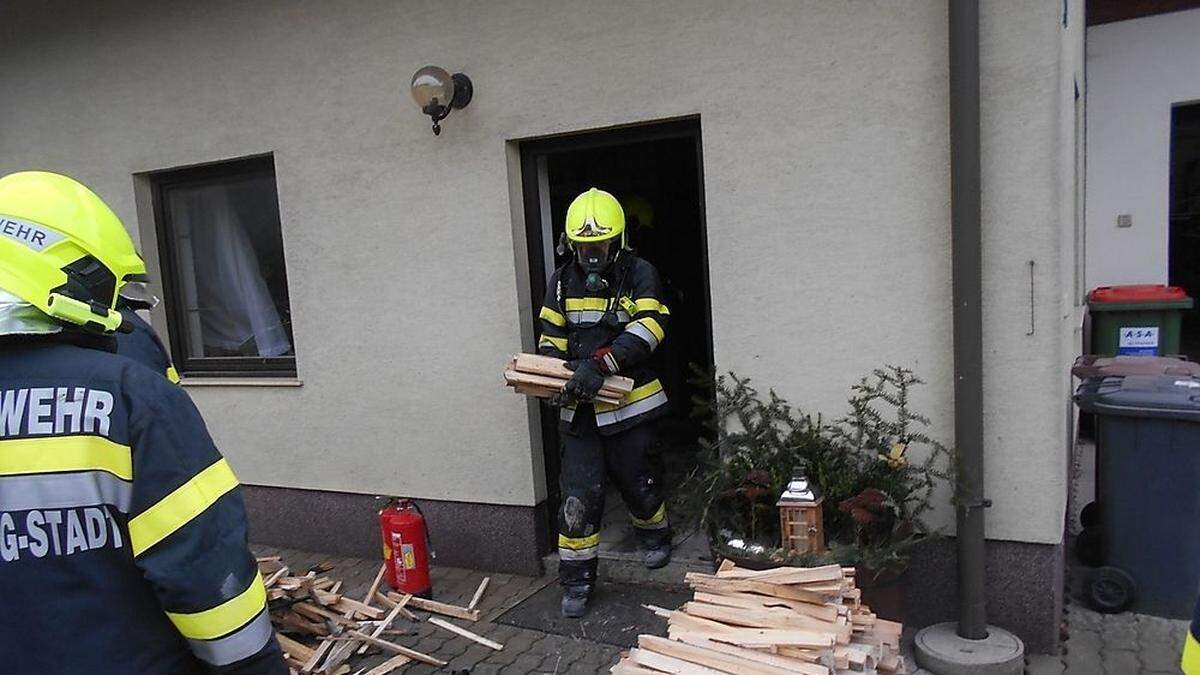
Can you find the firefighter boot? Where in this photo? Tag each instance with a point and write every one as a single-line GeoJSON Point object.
{"type": "Point", "coordinates": [656, 547]}
{"type": "Point", "coordinates": [575, 600]}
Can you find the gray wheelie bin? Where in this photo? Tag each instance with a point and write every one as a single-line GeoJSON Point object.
{"type": "Point", "coordinates": [1148, 434]}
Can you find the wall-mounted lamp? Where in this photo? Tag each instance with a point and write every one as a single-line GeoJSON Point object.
{"type": "Point", "coordinates": [438, 92]}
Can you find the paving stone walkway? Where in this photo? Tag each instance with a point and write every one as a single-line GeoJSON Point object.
{"type": "Point", "coordinates": [1115, 644]}
{"type": "Point", "coordinates": [1097, 644]}
{"type": "Point", "coordinates": [525, 651]}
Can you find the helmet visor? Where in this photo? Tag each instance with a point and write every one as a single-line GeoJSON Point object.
{"type": "Point", "coordinates": [593, 255]}
{"type": "Point", "coordinates": [137, 295]}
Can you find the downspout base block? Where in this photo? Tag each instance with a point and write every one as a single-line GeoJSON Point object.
{"type": "Point", "coordinates": [941, 651]}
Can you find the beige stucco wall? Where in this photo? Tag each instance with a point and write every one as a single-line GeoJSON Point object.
{"type": "Point", "coordinates": [825, 147]}
{"type": "Point", "coordinates": [1138, 70]}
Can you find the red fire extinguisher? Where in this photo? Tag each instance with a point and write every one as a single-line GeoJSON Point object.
{"type": "Point", "coordinates": [406, 547]}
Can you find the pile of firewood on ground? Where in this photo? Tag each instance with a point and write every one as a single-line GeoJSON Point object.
{"type": "Point", "coordinates": [770, 622]}
{"type": "Point", "coordinates": [322, 630]}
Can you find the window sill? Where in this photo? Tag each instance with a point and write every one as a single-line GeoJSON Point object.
{"type": "Point", "coordinates": [240, 382]}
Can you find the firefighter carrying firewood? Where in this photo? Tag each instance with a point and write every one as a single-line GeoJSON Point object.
{"type": "Point", "coordinates": [604, 315]}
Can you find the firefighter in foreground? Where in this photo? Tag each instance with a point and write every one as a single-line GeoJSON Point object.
{"type": "Point", "coordinates": [604, 314]}
{"type": "Point", "coordinates": [122, 529]}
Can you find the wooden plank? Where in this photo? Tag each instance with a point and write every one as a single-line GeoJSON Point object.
{"type": "Point", "coordinates": [769, 637]}
{"type": "Point", "coordinates": [680, 621]}
{"type": "Point", "coordinates": [627, 667]}
{"type": "Point", "coordinates": [466, 633]}
{"type": "Point", "coordinates": [714, 585]}
{"type": "Point", "coordinates": [397, 649]}
{"type": "Point", "coordinates": [768, 618]}
{"type": "Point", "coordinates": [752, 601]}
{"type": "Point", "coordinates": [389, 603]}
{"type": "Point", "coordinates": [321, 614]}
{"type": "Point", "coordinates": [787, 575]}
{"type": "Point", "coordinates": [612, 388]}
{"type": "Point", "coordinates": [295, 649]}
{"type": "Point", "coordinates": [370, 596]}
{"type": "Point", "coordinates": [857, 658]}
{"type": "Point", "coordinates": [515, 378]}
{"type": "Point", "coordinates": [279, 574]}
{"type": "Point", "coordinates": [707, 657]}
{"type": "Point", "coordinates": [439, 607]}
{"type": "Point", "coordinates": [479, 593]}
{"type": "Point", "coordinates": [327, 643]}
{"type": "Point", "coordinates": [387, 621]}
{"type": "Point", "coordinates": [790, 665]}
{"type": "Point", "coordinates": [814, 655]}
{"type": "Point", "coordinates": [537, 364]}
{"type": "Point", "coordinates": [670, 664]}
{"type": "Point", "coordinates": [355, 607]}
{"type": "Point", "coordinates": [389, 666]}
{"type": "Point", "coordinates": [338, 655]}
{"type": "Point", "coordinates": [325, 598]}
{"type": "Point", "coordinates": [295, 621]}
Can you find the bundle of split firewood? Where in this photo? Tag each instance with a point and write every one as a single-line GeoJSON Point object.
{"type": "Point", "coordinates": [770, 622]}
{"type": "Point", "coordinates": [545, 376]}
{"type": "Point", "coordinates": [321, 630]}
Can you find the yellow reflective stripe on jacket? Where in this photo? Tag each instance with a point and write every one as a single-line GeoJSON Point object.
{"type": "Point", "coordinates": [225, 617]}
{"type": "Point", "coordinates": [56, 454]}
{"type": "Point", "coordinates": [576, 544]}
{"type": "Point", "coordinates": [1191, 656]}
{"type": "Point", "coordinates": [181, 506]}
{"type": "Point", "coordinates": [651, 305]}
{"type": "Point", "coordinates": [581, 304]}
{"type": "Point", "coordinates": [653, 326]}
{"type": "Point", "coordinates": [558, 343]}
{"type": "Point", "coordinates": [553, 317]}
{"type": "Point", "coordinates": [172, 375]}
{"type": "Point", "coordinates": [645, 391]}
{"type": "Point", "coordinates": [659, 516]}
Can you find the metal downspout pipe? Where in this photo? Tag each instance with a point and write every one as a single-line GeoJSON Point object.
{"type": "Point", "coordinates": [966, 251]}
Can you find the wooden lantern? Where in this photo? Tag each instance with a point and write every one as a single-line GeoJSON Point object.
{"type": "Point", "coordinates": [801, 525]}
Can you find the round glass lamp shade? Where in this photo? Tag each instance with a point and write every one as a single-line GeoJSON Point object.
{"type": "Point", "coordinates": [430, 83]}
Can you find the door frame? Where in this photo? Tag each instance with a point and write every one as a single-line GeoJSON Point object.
{"type": "Point", "coordinates": [533, 154]}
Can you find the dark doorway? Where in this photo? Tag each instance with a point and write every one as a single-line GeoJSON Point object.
{"type": "Point", "coordinates": [656, 171]}
{"type": "Point", "coordinates": [1184, 265]}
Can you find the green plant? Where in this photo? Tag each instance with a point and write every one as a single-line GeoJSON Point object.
{"type": "Point", "coordinates": [874, 497]}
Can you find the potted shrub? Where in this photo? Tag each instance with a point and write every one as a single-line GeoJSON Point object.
{"type": "Point", "coordinates": [874, 495]}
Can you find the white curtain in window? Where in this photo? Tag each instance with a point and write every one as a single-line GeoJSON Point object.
{"type": "Point", "coordinates": [232, 299]}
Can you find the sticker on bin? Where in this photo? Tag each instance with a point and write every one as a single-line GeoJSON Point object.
{"type": "Point", "coordinates": [1190, 384]}
{"type": "Point", "coordinates": [1138, 341]}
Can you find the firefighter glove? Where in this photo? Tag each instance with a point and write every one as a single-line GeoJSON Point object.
{"type": "Point", "coordinates": [586, 382]}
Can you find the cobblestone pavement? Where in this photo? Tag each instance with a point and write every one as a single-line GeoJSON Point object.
{"type": "Point", "coordinates": [525, 651]}
{"type": "Point", "coordinates": [1108, 644]}
{"type": "Point", "coordinates": [1116, 644]}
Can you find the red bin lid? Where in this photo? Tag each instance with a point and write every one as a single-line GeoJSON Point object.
{"type": "Point", "coordinates": [1137, 293]}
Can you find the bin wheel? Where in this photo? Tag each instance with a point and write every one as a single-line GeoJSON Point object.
{"type": "Point", "coordinates": [1090, 515]}
{"type": "Point", "coordinates": [1109, 590]}
{"type": "Point", "coordinates": [1089, 546]}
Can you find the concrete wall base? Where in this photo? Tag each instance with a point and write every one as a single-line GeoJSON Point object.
{"type": "Point", "coordinates": [1024, 589]}
{"type": "Point", "coordinates": [485, 537]}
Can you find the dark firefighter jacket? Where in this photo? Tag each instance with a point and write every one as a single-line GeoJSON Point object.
{"type": "Point", "coordinates": [623, 324]}
{"type": "Point", "coordinates": [122, 529]}
{"type": "Point", "coordinates": [143, 345]}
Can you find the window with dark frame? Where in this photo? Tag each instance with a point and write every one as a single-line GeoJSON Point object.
{"type": "Point", "coordinates": [224, 276]}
